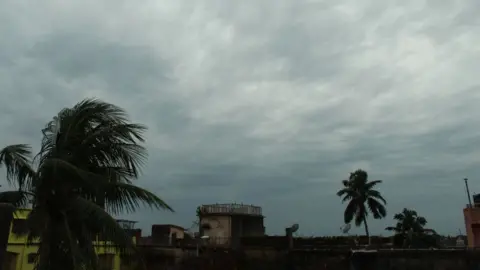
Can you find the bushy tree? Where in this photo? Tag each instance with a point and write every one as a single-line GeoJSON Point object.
{"type": "Point", "coordinates": [410, 230]}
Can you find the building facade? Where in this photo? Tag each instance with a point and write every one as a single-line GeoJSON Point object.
{"type": "Point", "coordinates": [226, 224]}
{"type": "Point", "coordinates": [472, 222]}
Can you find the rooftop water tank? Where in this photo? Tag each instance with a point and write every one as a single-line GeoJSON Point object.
{"type": "Point", "coordinates": [476, 199]}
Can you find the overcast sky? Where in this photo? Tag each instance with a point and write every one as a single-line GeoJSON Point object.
{"type": "Point", "coordinates": [269, 102]}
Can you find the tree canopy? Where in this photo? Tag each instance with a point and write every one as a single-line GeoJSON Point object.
{"type": "Point", "coordinates": [410, 230]}
{"type": "Point", "coordinates": [362, 199]}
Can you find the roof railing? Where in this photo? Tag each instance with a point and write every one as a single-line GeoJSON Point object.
{"type": "Point", "coordinates": [231, 209]}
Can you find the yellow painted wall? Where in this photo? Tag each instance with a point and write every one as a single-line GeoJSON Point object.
{"type": "Point", "coordinates": [18, 250]}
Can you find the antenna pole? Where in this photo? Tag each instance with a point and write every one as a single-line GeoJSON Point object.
{"type": "Point", "coordinates": [468, 192]}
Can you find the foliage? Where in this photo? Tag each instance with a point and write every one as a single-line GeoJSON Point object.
{"type": "Point", "coordinates": [362, 199]}
{"type": "Point", "coordinates": [198, 212]}
{"type": "Point", "coordinates": [410, 230]}
{"type": "Point", "coordinates": [89, 157]}
{"type": "Point", "coordinates": [408, 220]}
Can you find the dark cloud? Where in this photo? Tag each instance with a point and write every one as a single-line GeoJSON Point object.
{"type": "Point", "coordinates": [271, 103]}
{"type": "Point", "coordinates": [78, 56]}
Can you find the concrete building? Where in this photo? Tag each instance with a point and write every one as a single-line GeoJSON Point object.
{"type": "Point", "coordinates": [472, 222]}
{"type": "Point", "coordinates": [225, 224]}
{"type": "Point", "coordinates": [167, 234]}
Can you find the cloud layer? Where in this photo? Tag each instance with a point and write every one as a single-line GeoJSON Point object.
{"type": "Point", "coordinates": [264, 102]}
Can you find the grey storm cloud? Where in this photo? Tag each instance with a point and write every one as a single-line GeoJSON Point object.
{"type": "Point", "coordinates": [264, 102]}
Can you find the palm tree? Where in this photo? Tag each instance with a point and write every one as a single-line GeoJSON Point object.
{"type": "Point", "coordinates": [409, 224]}
{"type": "Point", "coordinates": [408, 220]}
{"type": "Point", "coordinates": [362, 198]}
{"type": "Point", "coordinates": [83, 174]}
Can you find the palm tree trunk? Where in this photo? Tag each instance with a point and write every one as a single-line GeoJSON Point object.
{"type": "Point", "coordinates": [366, 230]}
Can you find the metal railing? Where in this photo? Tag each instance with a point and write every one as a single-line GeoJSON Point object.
{"type": "Point", "coordinates": [231, 209]}
{"type": "Point", "coordinates": [126, 224]}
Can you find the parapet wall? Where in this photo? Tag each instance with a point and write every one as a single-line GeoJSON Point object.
{"type": "Point", "coordinates": [230, 208]}
{"type": "Point", "coordinates": [336, 260]}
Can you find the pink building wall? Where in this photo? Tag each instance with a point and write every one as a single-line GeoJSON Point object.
{"type": "Point", "coordinates": [472, 226]}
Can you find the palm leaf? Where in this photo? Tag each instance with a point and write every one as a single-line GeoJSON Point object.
{"type": "Point", "coordinates": [123, 197]}
{"type": "Point", "coordinates": [360, 215]}
{"type": "Point", "coordinates": [391, 229]}
{"type": "Point", "coordinates": [421, 221]}
{"type": "Point", "coordinates": [399, 217]}
{"type": "Point", "coordinates": [376, 208]}
{"type": "Point", "coordinates": [348, 197]}
{"type": "Point", "coordinates": [350, 211]}
{"type": "Point", "coordinates": [382, 210]}
{"type": "Point", "coordinates": [342, 192]}
{"type": "Point", "coordinates": [375, 194]}
{"type": "Point", "coordinates": [372, 184]}
{"type": "Point", "coordinates": [16, 159]}
{"type": "Point", "coordinates": [97, 220]}
{"type": "Point", "coordinates": [17, 198]}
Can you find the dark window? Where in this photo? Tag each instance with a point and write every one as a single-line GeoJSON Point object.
{"type": "Point", "coordinates": [32, 257]}
{"type": "Point", "coordinates": [19, 226]}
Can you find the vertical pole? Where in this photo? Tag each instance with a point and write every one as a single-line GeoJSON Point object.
{"type": "Point", "coordinates": [289, 235]}
{"type": "Point", "coordinates": [468, 193]}
{"type": "Point", "coordinates": [6, 216]}
{"type": "Point", "coordinates": [197, 250]}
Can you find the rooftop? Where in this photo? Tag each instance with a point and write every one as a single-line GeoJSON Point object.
{"type": "Point", "coordinates": [168, 225]}
{"type": "Point", "coordinates": [230, 208]}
